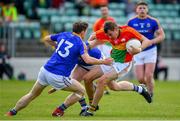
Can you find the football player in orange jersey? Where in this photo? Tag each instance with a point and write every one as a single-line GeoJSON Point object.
{"type": "Point", "coordinates": [117, 36]}
{"type": "Point", "coordinates": [105, 48]}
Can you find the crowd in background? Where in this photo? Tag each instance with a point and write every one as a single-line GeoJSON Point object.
{"type": "Point", "coordinates": [14, 7]}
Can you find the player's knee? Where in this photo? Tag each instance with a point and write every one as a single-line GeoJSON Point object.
{"type": "Point", "coordinates": [87, 79]}
{"type": "Point", "coordinates": [81, 91]}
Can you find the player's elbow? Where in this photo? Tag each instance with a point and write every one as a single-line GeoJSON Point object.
{"type": "Point", "coordinates": [163, 36]}
{"type": "Point", "coordinates": [88, 61]}
{"type": "Point", "coordinates": [46, 39]}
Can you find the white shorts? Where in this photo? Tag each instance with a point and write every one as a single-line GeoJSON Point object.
{"type": "Point", "coordinates": [121, 68]}
{"type": "Point", "coordinates": [148, 56]}
{"type": "Point", "coordinates": [56, 81]}
{"type": "Point", "coordinates": [105, 50]}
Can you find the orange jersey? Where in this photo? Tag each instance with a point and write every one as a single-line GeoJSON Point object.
{"type": "Point", "coordinates": [100, 22]}
{"type": "Point", "coordinates": [119, 52]}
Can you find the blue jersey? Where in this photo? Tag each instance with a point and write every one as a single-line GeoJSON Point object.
{"type": "Point", "coordinates": [69, 48]}
{"type": "Point", "coordinates": [146, 27]}
{"type": "Point", "coordinates": [94, 52]}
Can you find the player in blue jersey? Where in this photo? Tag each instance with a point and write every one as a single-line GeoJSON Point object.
{"type": "Point", "coordinates": [150, 28]}
{"type": "Point", "coordinates": [84, 70]}
{"type": "Point", "coordinates": [69, 47]}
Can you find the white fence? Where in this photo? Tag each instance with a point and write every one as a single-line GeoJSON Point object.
{"type": "Point", "coordinates": [31, 66]}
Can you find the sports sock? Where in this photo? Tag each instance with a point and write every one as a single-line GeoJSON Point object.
{"type": "Point", "coordinates": [90, 101]}
{"type": "Point", "coordinates": [92, 109]}
{"type": "Point", "coordinates": [63, 107]}
{"type": "Point", "coordinates": [83, 104]}
{"type": "Point", "coordinates": [13, 111]}
{"type": "Point", "coordinates": [138, 89]}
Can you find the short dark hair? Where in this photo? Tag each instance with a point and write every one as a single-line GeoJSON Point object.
{"type": "Point", "coordinates": [141, 2]}
{"type": "Point", "coordinates": [109, 25]}
{"type": "Point", "coordinates": [79, 26]}
{"type": "Point", "coordinates": [104, 6]}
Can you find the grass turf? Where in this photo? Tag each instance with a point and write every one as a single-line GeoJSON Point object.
{"type": "Point", "coordinates": [116, 106]}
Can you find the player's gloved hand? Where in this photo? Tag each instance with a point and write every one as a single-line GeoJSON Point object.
{"type": "Point", "coordinates": [134, 50]}
{"type": "Point", "coordinates": [107, 61]}
{"type": "Point", "coordinates": [52, 90]}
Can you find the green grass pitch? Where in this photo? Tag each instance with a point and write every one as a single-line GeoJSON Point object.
{"type": "Point", "coordinates": [116, 106]}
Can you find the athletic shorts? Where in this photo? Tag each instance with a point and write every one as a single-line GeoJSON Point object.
{"type": "Point", "coordinates": [121, 68]}
{"type": "Point", "coordinates": [58, 82]}
{"type": "Point", "coordinates": [148, 56]}
{"type": "Point", "coordinates": [105, 50]}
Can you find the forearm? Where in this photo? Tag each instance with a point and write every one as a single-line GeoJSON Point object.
{"type": "Point", "coordinates": [158, 39]}
{"type": "Point", "coordinates": [160, 36]}
{"type": "Point", "coordinates": [145, 43]}
{"type": "Point", "coordinates": [94, 61]}
{"type": "Point", "coordinates": [48, 40]}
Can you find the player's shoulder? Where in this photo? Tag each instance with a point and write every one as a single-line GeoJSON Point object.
{"type": "Point", "coordinates": [111, 18]}
{"type": "Point", "coordinates": [126, 28]}
{"type": "Point", "coordinates": [98, 20]}
{"type": "Point", "coordinates": [132, 18]}
{"type": "Point", "coordinates": [153, 19]}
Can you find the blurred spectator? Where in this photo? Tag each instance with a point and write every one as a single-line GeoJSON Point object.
{"type": "Point", "coordinates": [80, 6]}
{"type": "Point", "coordinates": [130, 8]}
{"type": "Point", "coordinates": [44, 3]}
{"type": "Point", "coordinates": [33, 13]}
{"type": "Point", "coordinates": [9, 13]}
{"type": "Point", "coordinates": [98, 3]}
{"type": "Point", "coordinates": [57, 3]}
{"type": "Point", "coordinates": [1, 19]}
{"type": "Point", "coordinates": [161, 67]}
{"type": "Point", "coordinates": [166, 1]}
{"type": "Point", "coordinates": [21, 76]}
{"type": "Point", "coordinates": [20, 6]}
{"type": "Point", "coordinates": [116, 1]}
{"type": "Point", "coordinates": [5, 67]}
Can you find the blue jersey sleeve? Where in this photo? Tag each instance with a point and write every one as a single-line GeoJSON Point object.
{"type": "Point", "coordinates": [54, 37]}
{"type": "Point", "coordinates": [156, 26]}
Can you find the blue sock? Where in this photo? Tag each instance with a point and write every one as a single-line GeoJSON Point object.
{"type": "Point", "coordinates": [82, 102]}
{"type": "Point", "coordinates": [13, 111]}
{"type": "Point", "coordinates": [63, 107]}
{"type": "Point", "coordinates": [137, 88]}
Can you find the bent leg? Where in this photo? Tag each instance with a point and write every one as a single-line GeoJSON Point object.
{"type": "Point", "coordinates": [102, 81]}
{"type": "Point", "coordinates": [78, 73]}
{"type": "Point", "coordinates": [26, 99]}
{"type": "Point", "coordinates": [120, 86]}
{"type": "Point", "coordinates": [93, 74]}
{"type": "Point", "coordinates": [78, 92]}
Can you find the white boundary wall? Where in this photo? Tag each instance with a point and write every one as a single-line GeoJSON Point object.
{"type": "Point", "coordinates": [31, 66]}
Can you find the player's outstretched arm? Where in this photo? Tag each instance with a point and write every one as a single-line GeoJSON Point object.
{"type": "Point", "coordinates": [90, 60]}
{"type": "Point", "coordinates": [48, 40]}
{"type": "Point", "coordinates": [145, 42]}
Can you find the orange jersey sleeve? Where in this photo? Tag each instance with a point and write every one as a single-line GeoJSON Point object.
{"type": "Point", "coordinates": [134, 33]}
{"type": "Point", "coordinates": [98, 24]}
